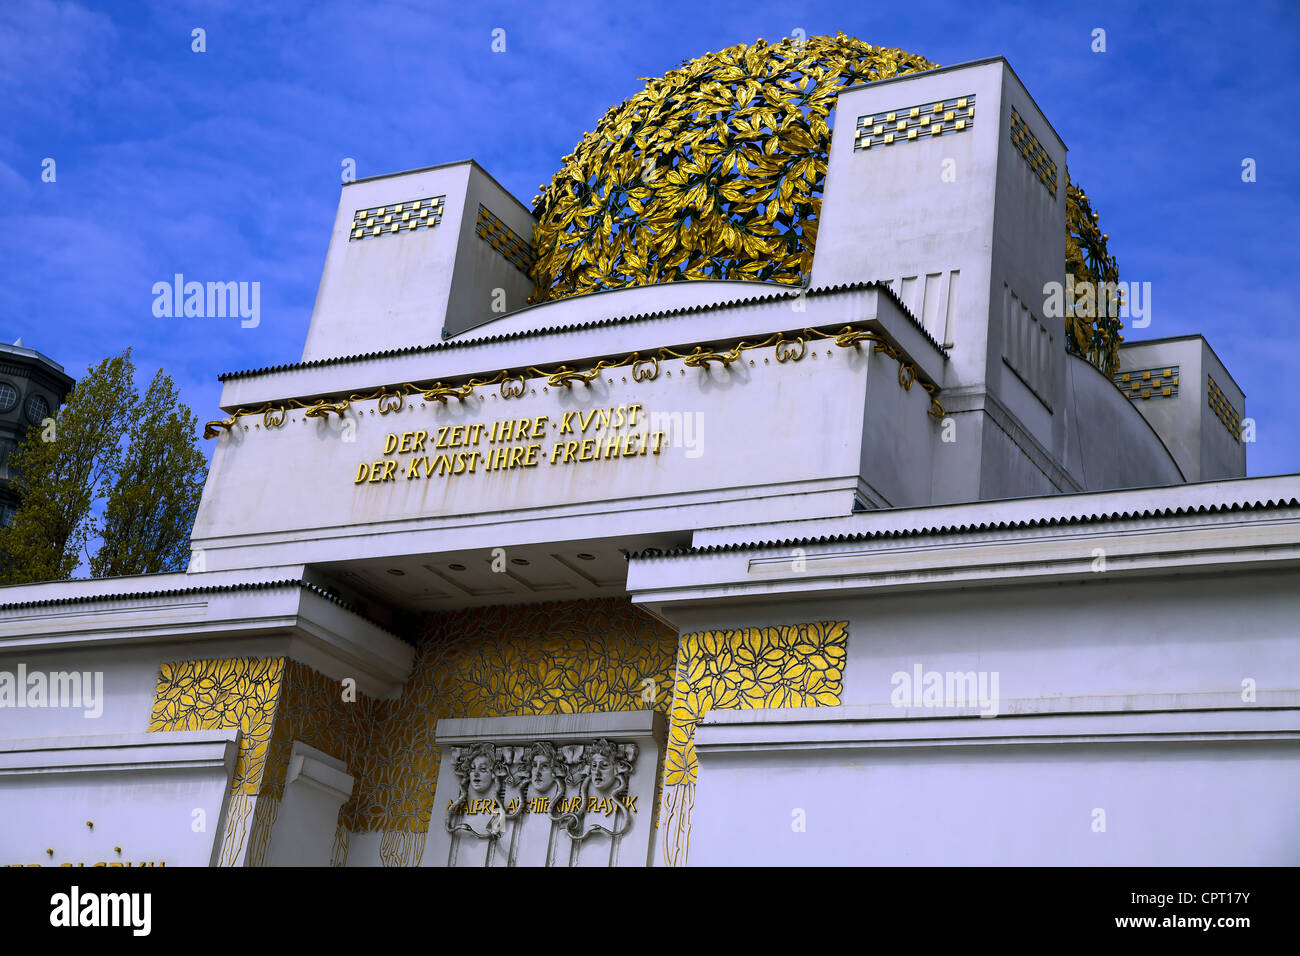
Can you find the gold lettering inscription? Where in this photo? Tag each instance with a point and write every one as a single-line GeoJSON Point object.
{"type": "Point", "coordinates": [119, 863]}
{"type": "Point", "coordinates": [580, 437]}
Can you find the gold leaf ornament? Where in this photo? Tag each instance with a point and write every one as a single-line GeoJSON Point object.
{"type": "Point", "coordinates": [681, 180]}
{"type": "Point", "coordinates": [690, 151]}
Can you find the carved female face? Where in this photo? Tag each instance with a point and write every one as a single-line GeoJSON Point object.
{"type": "Point", "coordinates": [602, 771]}
{"type": "Point", "coordinates": [481, 777]}
{"type": "Point", "coordinates": [543, 774]}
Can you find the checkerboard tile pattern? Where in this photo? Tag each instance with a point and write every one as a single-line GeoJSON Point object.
{"type": "Point", "coordinates": [1223, 410]}
{"type": "Point", "coordinates": [1143, 383]}
{"type": "Point", "coordinates": [915, 122]}
{"type": "Point", "coordinates": [389, 220]}
{"type": "Point", "coordinates": [503, 239]}
{"type": "Point", "coordinates": [1032, 150]}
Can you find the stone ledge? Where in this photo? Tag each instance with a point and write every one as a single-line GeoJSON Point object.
{"type": "Point", "coordinates": [116, 753]}
{"type": "Point", "coordinates": [615, 725]}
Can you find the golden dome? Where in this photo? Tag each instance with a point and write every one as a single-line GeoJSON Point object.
{"type": "Point", "coordinates": [716, 171]}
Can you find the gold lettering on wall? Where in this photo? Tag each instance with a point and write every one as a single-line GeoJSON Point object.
{"type": "Point", "coordinates": [118, 863]}
{"type": "Point", "coordinates": [598, 434]}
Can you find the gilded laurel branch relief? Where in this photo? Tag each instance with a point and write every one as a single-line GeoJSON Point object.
{"type": "Point", "coordinates": [570, 657]}
{"type": "Point", "coordinates": [736, 195]}
{"type": "Point", "coordinates": [223, 694]}
{"type": "Point", "coordinates": [750, 669]}
{"type": "Point", "coordinates": [560, 658]}
{"type": "Point", "coordinates": [717, 170]}
{"type": "Point", "coordinates": [273, 702]}
{"type": "Point", "coordinates": [316, 711]}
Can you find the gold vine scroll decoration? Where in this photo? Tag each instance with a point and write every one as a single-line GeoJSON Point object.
{"type": "Point", "coordinates": [645, 367]}
{"type": "Point", "coordinates": [1095, 338]}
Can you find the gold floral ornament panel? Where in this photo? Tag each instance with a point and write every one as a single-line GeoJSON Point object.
{"type": "Point", "coordinates": [751, 669]}
{"type": "Point", "coordinates": [560, 658]}
{"type": "Point", "coordinates": [315, 710]}
{"type": "Point", "coordinates": [239, 692]}
{"type": "Point", "coordinates": [714, 171]}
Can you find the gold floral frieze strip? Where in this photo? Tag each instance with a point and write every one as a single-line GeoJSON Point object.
{"type": "Point", "coordinates": [915, 122]}
{"type": "Point", "coordinates": [1043, 166]}
{"type": "Point", "coordinates": [565, 657]}
{"type": "Point", "coordinates": [240, 692]}
{"type": "Point", "coordinates": [645, 366]}
{"type": "Point", "coordinates": [749, 669]}
{"type": "Point", "coordinates": [243, 693]}
{"type": "Point", "coordinates": [517, 250]}
{"type": "Point", "coordinates": [389, 220]}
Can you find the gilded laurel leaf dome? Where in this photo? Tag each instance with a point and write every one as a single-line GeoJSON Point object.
{"type": "Point", "coordinates": [716, 171]}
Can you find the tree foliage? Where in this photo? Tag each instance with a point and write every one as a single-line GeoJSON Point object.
{"type": "Point", "coordinates": [141, 458]}
{"type": "Point", "coordinates": [151, 506]}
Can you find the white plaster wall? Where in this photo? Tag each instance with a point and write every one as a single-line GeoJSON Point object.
{"type": "Point", "coordinates": [388, 291]}
{"type": "Point", "coordinates": [1178, 804]}
{"type": "Point", "coordinates": [1222, 456]}
{"type": "Point", "coordinates": [766, 429]}
{"type": "Point", "coordinates": [899, 437]}
{"type": "Point", "coordinates": [316, 786]}
{"type": "Point", "coordinates": [887, 212]}
{"type": "Point", "coordinates": [480, 270]}
{"type": "Point", "coordinates": [160, 801]}
{"type": "Point", "coordinates": [1204, 449]}
{"type": "Point", "coordinates": [1028, 251]}
{"type": "Point", "coordinates": [1176, 419]}
{"type": "Point", "coordinates": [151, 816]}
{"type": "Point", "coordinates": [1110, 444]}
{"type": "Point", "coordinates": [1005, 470]}
{"type": "Point", "coordinates": [1170, 650]}
{"type": "Point", "coordinates": [130, 678]}
{"type": "Point", "coordinates": [1135, 637]}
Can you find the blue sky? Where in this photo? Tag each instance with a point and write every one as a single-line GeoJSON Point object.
{"type": "Point", "coordinates": [225, 165]}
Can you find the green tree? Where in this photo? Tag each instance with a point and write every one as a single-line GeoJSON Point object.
{"type": "Point", "coordinates": [60, 472]}
{"type": "Point", "coordinates": [140, 457]}
{"type": "Point", "coordinates": [151, 507]}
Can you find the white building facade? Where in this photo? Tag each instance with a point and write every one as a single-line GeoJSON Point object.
{"type": "Point", "coordinates": [870, 571]}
